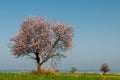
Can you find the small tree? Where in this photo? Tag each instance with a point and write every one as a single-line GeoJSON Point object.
{"type": "Point", "coordinates": [73, 70]}
{"type": "Point", "coordinates": [104, 68]}
{"type": "Point", "coordinates": [42, 40]}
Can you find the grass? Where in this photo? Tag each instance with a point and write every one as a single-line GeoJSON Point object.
{"type": "Point", "coordinates": [59, 76]}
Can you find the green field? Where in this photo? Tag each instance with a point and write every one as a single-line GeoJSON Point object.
{"type": "Point", "coordinates": [60, 76]}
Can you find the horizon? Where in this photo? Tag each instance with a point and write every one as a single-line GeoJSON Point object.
{"type": "Point", "coordinates": [96, 36]}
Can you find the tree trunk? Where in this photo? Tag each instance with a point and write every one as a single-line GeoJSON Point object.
{"type": "Point", "coordinates": [38, 61]}
{"type": "Point", "coordinates": [38, 67]}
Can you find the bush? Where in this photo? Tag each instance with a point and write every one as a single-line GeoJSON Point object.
{"type": "Point", "coordinates": [45, 71]}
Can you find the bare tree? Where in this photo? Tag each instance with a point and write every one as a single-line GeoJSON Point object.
{"type": "Point", "coordinates": [104, 68]}
{"type": "Point", "coordinates": [42, 40]}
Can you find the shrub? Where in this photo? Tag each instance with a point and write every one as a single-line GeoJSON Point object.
{"type": "Point", "coordinates": [45, 71]}
{"type": "Point", "coordinates": [73, 70]}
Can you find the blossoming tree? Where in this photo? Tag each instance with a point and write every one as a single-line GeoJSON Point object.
{"type": "Point", "coordinates": [42, 40]}
{"type": "Point", "coordinates": [104, 68]}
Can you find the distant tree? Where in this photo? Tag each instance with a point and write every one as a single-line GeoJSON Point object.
{"type": "Point", "coordinates": [73, 70]}
{"type": "Point", "coordinates": [41, 40]}
{"type": "Point", "coordinates": [104, 68]}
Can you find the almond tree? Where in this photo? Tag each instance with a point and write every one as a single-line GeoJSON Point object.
{"type": "Point", "coordinates": [105, 68]}
{"type": "Point", "coordinates": [42, 40]}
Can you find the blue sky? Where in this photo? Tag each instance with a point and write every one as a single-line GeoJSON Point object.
{"type": "Point", "coordinates": [96, 37]}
